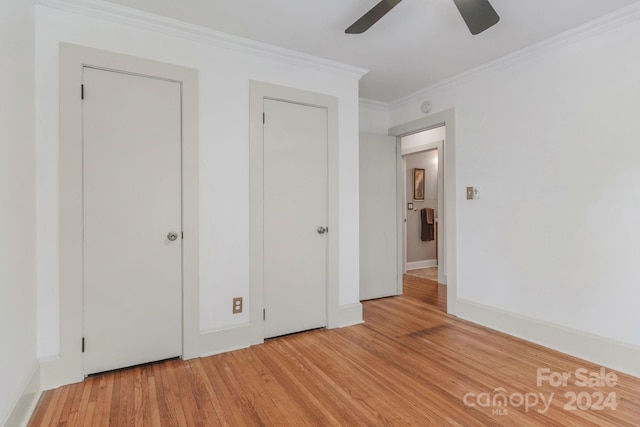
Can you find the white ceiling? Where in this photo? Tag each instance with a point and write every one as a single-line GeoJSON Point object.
{"type": "Point", "coordinates": [417, 44]}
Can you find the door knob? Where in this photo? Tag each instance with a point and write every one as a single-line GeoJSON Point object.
{"type": "Point", "coordinates": [322, 230]}
{"type": "Point", "coordinates": [172, 235]}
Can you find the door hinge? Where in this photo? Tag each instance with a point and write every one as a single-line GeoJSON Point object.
{"type": "Point", "coordinates": [83, 344]}
{"type": "Point", "coordinates": [183, 235]}
{"type": "Point", "coordinates": [263, 118]}
{"type": "Point", "coordinates": [81, 91]}
{"type": "Point", "coordinates": [264, 314]}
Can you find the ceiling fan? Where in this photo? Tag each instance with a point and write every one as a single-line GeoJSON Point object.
{"type": "Point", "coordinates": [477, 14]}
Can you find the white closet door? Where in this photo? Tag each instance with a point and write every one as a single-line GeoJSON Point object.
{"type": "Point", "coordinates": [132, 201]}
{"type": "Point", "coordinates": [295, 206]}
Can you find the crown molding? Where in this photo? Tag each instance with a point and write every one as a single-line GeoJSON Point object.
{"type": "Point", "coordinates": [603, 24]}
{"type": "Point", "coordinates": [172, 27]}
{"type": "Point", "coordinates": [374, 105]}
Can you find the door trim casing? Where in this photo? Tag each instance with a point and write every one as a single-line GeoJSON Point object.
{"type": "Point", "coordinates": [258, 92]}
{"type": "Point", "coordinates": [443, 118]}
{"type": "Point", "coordinates": [67, 368]}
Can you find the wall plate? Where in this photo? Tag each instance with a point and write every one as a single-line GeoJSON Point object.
{"type": "Point", "coordinates": [469, 193]}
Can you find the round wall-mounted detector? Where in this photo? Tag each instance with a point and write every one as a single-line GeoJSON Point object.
{"type": "Point", "coordinates": [426, 106]}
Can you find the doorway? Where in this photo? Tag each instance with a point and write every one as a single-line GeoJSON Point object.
{"type": "Point", "coordinates": [68, 368]}
{"type": "Point", "coordinates": [447, 257]}
{"type": "Point", "coordinates": [294, 216]}
{"type": "Point", "coordinates": [421, 226]}
{"type": "Point", "coordinates": [424, 236]}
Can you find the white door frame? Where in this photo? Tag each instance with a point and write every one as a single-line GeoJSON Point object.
{"type": "Point", "coordinates": [68, 367]}
{"type": "Point", "coordinates": [258, 92]}
{"type": "Point", "coordinates": [444, 118]}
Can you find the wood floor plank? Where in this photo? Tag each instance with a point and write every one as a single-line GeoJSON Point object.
{"type": "Point", "coordinates": [162, 402]}
{"type": "Point", "coordinates": [206, 398]}
{"type": "Point", "coordinates": [67, 409]}
{"type": "Point", "coordinates": [89, 419]}
{"type": "Point", "coordinates": [409, 364]}
{"type": "Point", "coordinates": [116, 396]}
{"type": "Point", "coordinates": [84, 403]}
{"type": "Point", "coordinates": [177, 393]}
{"type": "Point", "coordinates": [172, 392]}
{"type": "Point", "coordinates": [57, 414]}
{"type": "Point", "coordinates": [106, 397]}
{"type": "Point", "coordinates": [152, 409]}
{"type": "Point", "coordinates": [139, 386]}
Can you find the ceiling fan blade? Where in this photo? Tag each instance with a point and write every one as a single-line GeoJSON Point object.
{"type": "Point", "coordinates": [371, 17]}
{"type": "Point", "coordinates": [477, 14]}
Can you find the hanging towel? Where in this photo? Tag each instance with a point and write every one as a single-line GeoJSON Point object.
{"type": "Point", "coordinates": [427, 232]}
{"type": "Point", "coordinates": [430, 216]}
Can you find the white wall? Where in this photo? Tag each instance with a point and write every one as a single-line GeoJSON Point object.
{"type": "Point", "coordinates": [374, 117]}
{"type": "Point", "coordinates": [17, 205]}
{"type": "Point", "coordinates": [225, 71]}
{"type": "Point", "coordinates": [551, 139]}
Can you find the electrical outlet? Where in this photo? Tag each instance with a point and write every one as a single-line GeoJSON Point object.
{"type": "Point", "coordinates": [237, 305]}
{"type": "Point", "coordinates": [469, 193]}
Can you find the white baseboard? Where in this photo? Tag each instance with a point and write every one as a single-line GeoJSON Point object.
{"type": "Point", "coordinates": [26, 400]}
{"type": "Point", "coordinates": [606, 352]}
{"type": "Point", "coordinates": [56, 371]}
{"type": "Point", "coordinates": [350, 315]}
{"type": "Point", "coordinates": [421, 264]}
{"type": "Point", "coordinates": [218, 341]}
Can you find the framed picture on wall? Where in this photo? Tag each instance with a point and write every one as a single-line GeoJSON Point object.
{"type": "Point", "coordinates": [418, 184]}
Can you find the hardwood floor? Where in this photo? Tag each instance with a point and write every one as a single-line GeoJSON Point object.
{"type": "Point", "coordinates": [425, 290]}
{"type": "Point", "coordinates": [430, 273]}
{"type": "Point", "coordinates": [408, 364]}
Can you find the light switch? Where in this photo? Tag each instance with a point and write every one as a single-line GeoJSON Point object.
{"type": "Point", "coordinates": [473, 193]}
